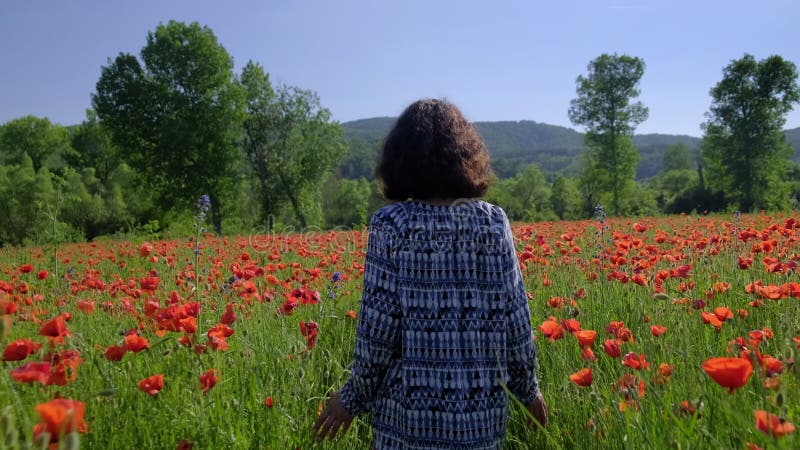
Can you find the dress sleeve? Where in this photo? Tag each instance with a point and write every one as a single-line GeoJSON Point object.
{"type": "Point", "coordinates": [378, 332]}
{"type": "Point", "coordinates": [521, 350]}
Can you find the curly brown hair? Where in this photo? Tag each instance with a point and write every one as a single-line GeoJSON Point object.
{"type": "Point", "coordinates": [433, 152]}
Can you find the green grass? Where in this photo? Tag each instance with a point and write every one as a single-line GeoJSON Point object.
{"type": "Point", "coordinates": [268, 355]}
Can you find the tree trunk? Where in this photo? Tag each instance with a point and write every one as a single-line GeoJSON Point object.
{"type": "Point", "coordinates": [295, 203]}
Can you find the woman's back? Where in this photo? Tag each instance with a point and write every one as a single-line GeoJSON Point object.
{"type": "Point", "coordinates": [446, 277]}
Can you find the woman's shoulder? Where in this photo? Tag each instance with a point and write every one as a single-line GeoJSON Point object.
{"type": "Point", "coordinates": [410, 210]}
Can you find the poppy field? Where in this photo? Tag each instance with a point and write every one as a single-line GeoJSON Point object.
{"type": "Point", "coordinates": [674, 332]}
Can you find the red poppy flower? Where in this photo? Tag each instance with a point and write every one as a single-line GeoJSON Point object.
{"type": "Point", "coordinates": [86, 306]}
{"type": "Point", "coordinates": [772, 425]}
{"type": "Point", "coordinates": [136, 343]}
{"type": "Point", "coordinates": [709, 318]}
{"type": "Point", "coordinates": [208, 379]}
{"type": "Point", "coordinates": [288, 306]}
{"type": "Point", "coordinates": [65, 368]}
{"type": "Point", "coordinates": [587, 354]}
{"type": "Point", "coordinates": [657, 330]}
{"type": "Point", "coordinates": [20, 349]}
{"type": "Point", "coordinates": [26, 268]}
{"type": "Point", "coordinates": [309, 331]}
{"type": "Point", "coordinates": [42, 275]}
{"type": "Point", "coordinates": [145, 249]}
{"type": "Point", "coordinates": [187, 324]}
{"type": "Point", "coordinates": [228, 317]}
{"type": "Point", "coordinates": [149, 284]}
{"type": "Point", "coordinates": [731, 373]}
{"type": "Point", "coordinates": [551, 329]}
{"type": "Point", "coordinates": [772, 366]}
{"type": "Point", "coordinates": [59, 417]}
{"type": "Point", "coordinates": [220, 331]}
{"type": "Point", "coordinates": [114, 352]}
{"type": "Point", "coordinates": [585, 337]}
{"type": "Point", "coordinates": [268, 402]}
{"type": "Point", "coordinates": [582, 377]}
{"type": "Point", "coordinates": [55, 327]}
{"type": "Point", "coordinates": [571, 325]}
{"type": "Point", "coordinates": [152, 385]}
{"type": "Point", "coordinates": [634, 361]}
{"type": "Point", "coordinates": [620, 331]}
{"type": "Point", "coordinates": [629, 387]}
{"type": "Point", "coordinates": [33, 371]}
{"type": "Point", "coordinates": [665, 370]}
{"type": "Point", "coordinates": [723, 313]}
{"type": "Point", "coordinates": [611, 347]}
{"type": "Point", "coordinates": [184, 445]}
{"type": "Point", "coordinates": [720, 287]}
{"type": "Point", "coordinates": [218, 337]}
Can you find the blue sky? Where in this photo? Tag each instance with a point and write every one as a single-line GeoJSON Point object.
{"type": "Point", "coordinates": [497, 60]}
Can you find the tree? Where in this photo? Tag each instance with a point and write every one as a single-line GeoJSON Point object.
{"type": "Point", "coordinates": [347, 202]}
{"type": "Point", "coordinates": [676, 157]}
{"type": "Point", "coordinates": [526, 197]}
{"type": "Point", "coordinates": [93, 147]}
{"type": "Point", "coordinates": [565, 198]}
{"type": "Point", "coordinates": [44, 142]}
{"type": "Point", "coordinates": [291, 143]}
{"type": "Point", "coordinates": [531, 189]}
{"type": "Point", "coordinates": [604, 107]}
{"type": "Point", "coordinates": [26, 198]}
{"type": "Point", "coordinates": [589, 185]}
{"type": "Point", "coordinates": [744, 143]}
{"type": "Point", "coordinates": [176, 117]}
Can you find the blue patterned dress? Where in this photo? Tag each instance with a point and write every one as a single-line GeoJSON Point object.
{"type": "Point", "coordinates": [444, 326]}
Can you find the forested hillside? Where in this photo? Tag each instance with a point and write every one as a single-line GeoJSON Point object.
{"type": "Point", "coordinates": [513, 145]}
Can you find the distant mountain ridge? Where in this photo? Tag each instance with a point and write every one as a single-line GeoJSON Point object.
{"type": "Point", "coordinates": [515, 144]}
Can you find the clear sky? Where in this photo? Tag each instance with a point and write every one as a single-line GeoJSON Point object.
{"type": "Point", "coordinates": [497, 60]}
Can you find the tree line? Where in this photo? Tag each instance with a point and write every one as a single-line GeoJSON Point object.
{"type": "Point", "coordinates": [744, 160]}
{"type": "Point", "coordinates": [177, 122]}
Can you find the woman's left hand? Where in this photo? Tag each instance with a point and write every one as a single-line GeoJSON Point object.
{"type": "Point", "coordinates": [333, 417]}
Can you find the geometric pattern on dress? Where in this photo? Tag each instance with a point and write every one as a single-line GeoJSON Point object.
{"type": "Point", "coordinates": [444, 326]}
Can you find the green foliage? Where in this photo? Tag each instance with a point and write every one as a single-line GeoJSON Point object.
{"type": "Point", "coordinates": [292, 146]}
{"type": "Point", "coordinates": [673, 184]}
{"type": "Point", "coordinates": [27, 199]}
{"type": "Point", "coordinates": [676, 157]}
{"type": "Point", "coordinates": [589, 186]}
{"type": "Point", "coordinates": [526, 197]}
{"type": "Point", "coordinates": [565, 198]}
{"type": "Point", "coordinates": [347, 202]}
{"type": "Point", "coordinates": [45, 143]}
{"type": "Point", "coordinates": [744, 143]}
{"type": "Point", "coordinates": [95, 207]}
{"type": "Point", "coordinates": [360, 160]}
{"type": "Point", "coordinates": [94, 148]}
{"type": "Point", "coordinates": [177, 117]}
{"type": "Point", "coordinates": [643, 201]}
{"type": "Point", "coordinates": [604, 107]}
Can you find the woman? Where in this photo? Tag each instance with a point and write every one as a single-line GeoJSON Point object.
{"type": "Point", "coordinates": [444, 330]}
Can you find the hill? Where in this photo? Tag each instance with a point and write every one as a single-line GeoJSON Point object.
{"type": "Point", "coordinates": [515, 144]}
{"type": "Point", "coordinates": [512, 145]}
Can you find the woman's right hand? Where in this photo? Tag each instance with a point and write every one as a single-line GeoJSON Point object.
{"type": "Point", "coordinates": [538, 410]}
{"type": "Point", "coordinates": [333, 417]}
